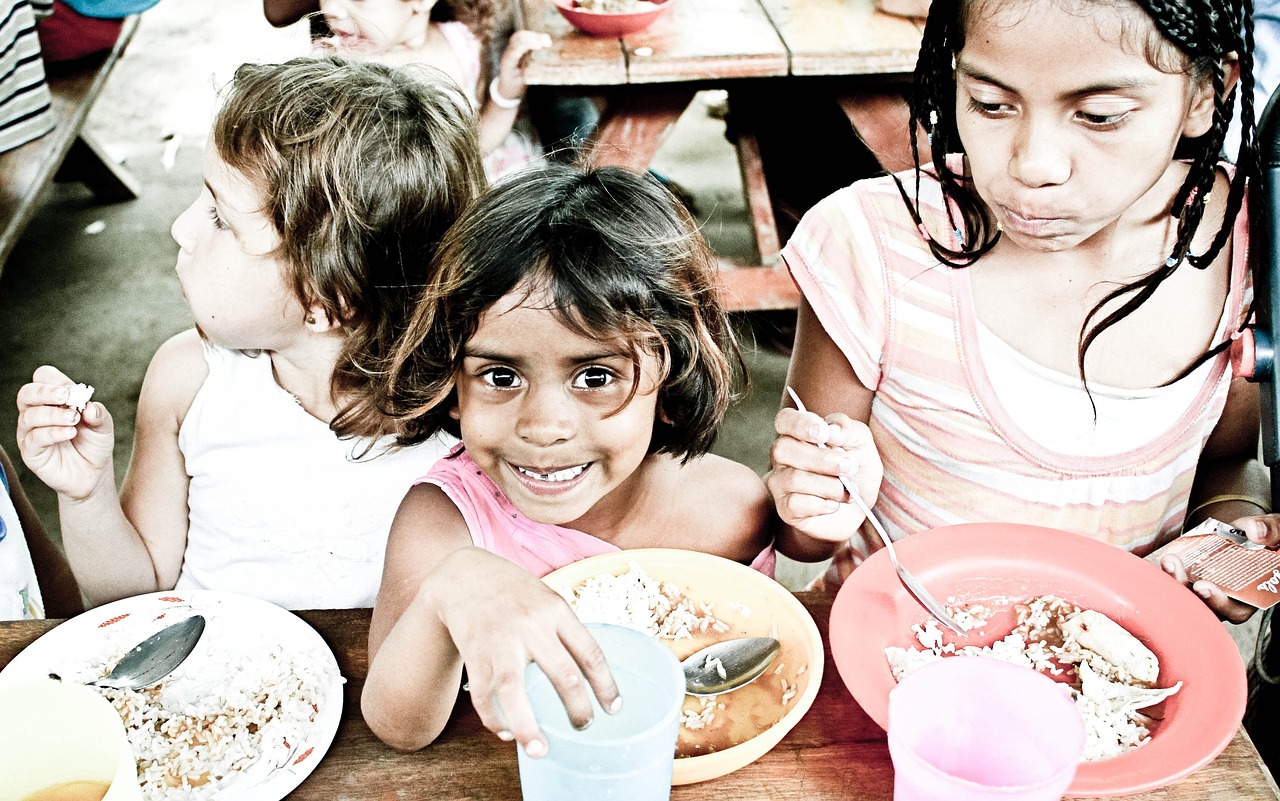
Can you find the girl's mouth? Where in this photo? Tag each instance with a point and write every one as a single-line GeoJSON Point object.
{"type": "Point", "coordinates": [1028, 225]}
{"type": "Point", "coordinates": [550, 480]}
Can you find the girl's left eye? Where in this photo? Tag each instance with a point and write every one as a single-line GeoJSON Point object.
{"type": "Point", "coordinates": [593, 378]}
{"type": "Point", "coordinates": [501, 377]}
{"type": "Point", "coordinates": [218, 222]}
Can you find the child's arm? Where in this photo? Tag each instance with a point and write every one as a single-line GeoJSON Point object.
{"type": "Point", "coordinates": [58, 586]}
{"type": "Point", "coordinates": [1233, 486]}
{"type": "Point", "coordinates": [444, 603]}
{"type": "Point", "coordinates": [132, 542]}
{"type": "Point", "coordinates": [815, 510]}
{"type": "Point", "coordinates": [497, 115]}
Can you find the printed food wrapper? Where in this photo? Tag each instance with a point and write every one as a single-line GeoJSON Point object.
{"type": "Point", "coordinates": [1214, 551]}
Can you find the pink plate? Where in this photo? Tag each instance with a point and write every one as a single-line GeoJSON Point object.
{"type": "Point", "coordinates": [1000, 564]}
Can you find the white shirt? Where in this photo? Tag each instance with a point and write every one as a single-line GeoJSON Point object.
{"type": "Point", "coordinates": [279, 507]}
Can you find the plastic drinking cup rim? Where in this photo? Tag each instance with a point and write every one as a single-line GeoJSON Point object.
{"type": "Point", "coordinates": [559, 726]}
{"type": "Point", "coordinates": [1017, 672]}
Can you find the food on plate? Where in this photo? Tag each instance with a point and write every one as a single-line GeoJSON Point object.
{"type": "Point", "coordinates": [78, 396]}
{"type": "Point", "coordinates": [615, 6]}
{"type": "Point", "coordinates": [1109, 673]}
{"type": "Point", "coordinates": [198, 732]}
{"type": "Point", "coordinates": [664, 610]}
{"type": "Point", "coordinates": [1111, 651]}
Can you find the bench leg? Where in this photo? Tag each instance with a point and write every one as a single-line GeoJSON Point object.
{"type": "Point", "coordinates": [88, 163]}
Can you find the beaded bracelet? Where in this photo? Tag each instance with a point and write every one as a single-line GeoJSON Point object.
{"type": "Point", "coordinates": [499, 100]}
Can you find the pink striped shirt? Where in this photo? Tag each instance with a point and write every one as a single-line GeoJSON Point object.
{"type": "Point", "coordinates": [952, 453]}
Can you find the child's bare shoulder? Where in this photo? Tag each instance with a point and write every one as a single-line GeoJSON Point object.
{"type": "Point", "coordinates": [176, 373]}
{"type": "Point", "coordinates": [729, 504]}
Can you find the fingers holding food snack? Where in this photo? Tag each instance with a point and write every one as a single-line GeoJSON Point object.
{"type": "Point", "coordinates": [1215, 598]}
{"type": "Point", "coordinates": [63, 437]}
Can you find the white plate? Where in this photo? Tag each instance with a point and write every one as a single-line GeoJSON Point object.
{"type": "Point", "coordinates": [231, 618]}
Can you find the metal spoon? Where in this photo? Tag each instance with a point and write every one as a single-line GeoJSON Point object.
{"type": "Point", "coordinates": [728, 665]}
{"type": "Point", "coordinates": [155, 657]}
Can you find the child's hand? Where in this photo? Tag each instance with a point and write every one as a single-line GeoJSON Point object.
{"type": "Point", "coordinates": [511, 82]}
{"type": "Point", "coordinates": [502, 621]}
{"type": "Point", "coordinates": [1263, 530]}
{"type": "Point", "coordinates": [808, 456]}
{"type": "Point", "coordinates": [1223, 606]}
{"type": "Point", "coordinates": [70, 451]}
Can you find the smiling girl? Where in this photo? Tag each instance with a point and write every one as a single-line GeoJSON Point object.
{"type": "Point", "coordinates": [1031, 328]}
{"type": "Point", "coordinates": [261, 464]}
{"type": "Point", "coordinates": [574, 341]}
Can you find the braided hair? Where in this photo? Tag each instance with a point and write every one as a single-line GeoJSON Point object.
{"type": "Point", "coordinates": [1204, 33]}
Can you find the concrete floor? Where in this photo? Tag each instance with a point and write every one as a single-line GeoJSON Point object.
{"type": "Point", "coordinates": [91, 289]}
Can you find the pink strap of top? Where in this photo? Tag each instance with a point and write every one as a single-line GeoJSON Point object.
{"type": "Point", "coordinates": [498, 526]}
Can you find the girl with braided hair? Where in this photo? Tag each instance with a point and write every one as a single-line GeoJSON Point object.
{"type": "Point", "coordinates": [1032, 327]}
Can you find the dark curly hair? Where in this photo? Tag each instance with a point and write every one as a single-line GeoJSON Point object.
{"type": "Point", "coordinates": [619, 257]}
{"type": "Point", "coordinates": [1193, 37]}
{"type": "Point", "coordinates": [362, 168]}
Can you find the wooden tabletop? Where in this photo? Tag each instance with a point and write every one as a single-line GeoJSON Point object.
{"type": "Point", "coordinates": [710, 40]}
{"type": "Point", "coordinates": [836, 752]}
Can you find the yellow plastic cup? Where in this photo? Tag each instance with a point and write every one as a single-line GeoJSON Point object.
{"type": "Point", "coordinates": [56, 732]}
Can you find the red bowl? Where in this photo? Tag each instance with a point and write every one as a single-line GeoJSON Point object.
{"type": "Point", "coordinates": [605, 23]}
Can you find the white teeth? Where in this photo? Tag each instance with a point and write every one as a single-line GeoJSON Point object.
{"type": "Point", "coordinates": [559, 475]}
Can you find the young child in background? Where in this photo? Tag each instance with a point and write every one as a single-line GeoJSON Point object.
{"type": "Point", "coordinates": [576, 344]}
{"type": "Point", "coordinates": [452, 36]}
{"type": "Point", "coordinates": [35, 579]}
{"type": "Point", "coordinates": [1031, 329]}
{"type": "Point", "coordinates": [261, 462]}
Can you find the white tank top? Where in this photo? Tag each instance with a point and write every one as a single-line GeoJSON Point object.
{"type": "Point", "coordinates": [279, 507]}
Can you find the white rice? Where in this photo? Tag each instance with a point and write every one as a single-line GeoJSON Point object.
{"type": "Point", "coordinates": [1113, 722]}
{"type": "Point", "coordinates": [638, 601]}
{"type": "Point", "coordinates": [196, 732]}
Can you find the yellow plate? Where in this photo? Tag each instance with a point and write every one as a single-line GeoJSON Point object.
{"type": "Point", "coordinates": [752, 605]}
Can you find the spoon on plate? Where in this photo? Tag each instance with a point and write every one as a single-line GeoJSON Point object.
{"type": "Point", "coordinates": [728, 665]}
{"type": "Point", "coordinates": [155, 657]}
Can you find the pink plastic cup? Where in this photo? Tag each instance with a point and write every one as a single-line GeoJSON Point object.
{"type": "Point", "coordinates": [978, 729]}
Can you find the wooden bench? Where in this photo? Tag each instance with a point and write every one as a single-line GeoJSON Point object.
{"type": "Point", "coordinates": [66, 153]}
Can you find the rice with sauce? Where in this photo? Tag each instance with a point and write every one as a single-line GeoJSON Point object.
{"type": "Point", "coordinates": [201, 733]}
{"type": "Point", "coordinates": [661, 609]}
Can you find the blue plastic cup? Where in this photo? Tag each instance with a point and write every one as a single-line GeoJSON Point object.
{"type": "Point", "coordinates": [629, 755]}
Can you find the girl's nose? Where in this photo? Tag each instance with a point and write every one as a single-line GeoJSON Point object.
{"type": "Point", "coordinates": [545, 416]}
{"type": "Point", "coordinates": [1039, 156]}
{"type": "Point", "coordinates": [183, 230]}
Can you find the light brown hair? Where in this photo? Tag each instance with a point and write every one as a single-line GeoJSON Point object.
{"type": "Point", "coordinates": [362, 167]}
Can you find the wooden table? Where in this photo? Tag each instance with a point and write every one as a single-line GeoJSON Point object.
{"type": "Point", "coordinates": [648, 79]}
{"type": "Point", "coordinates": [836, 752]}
